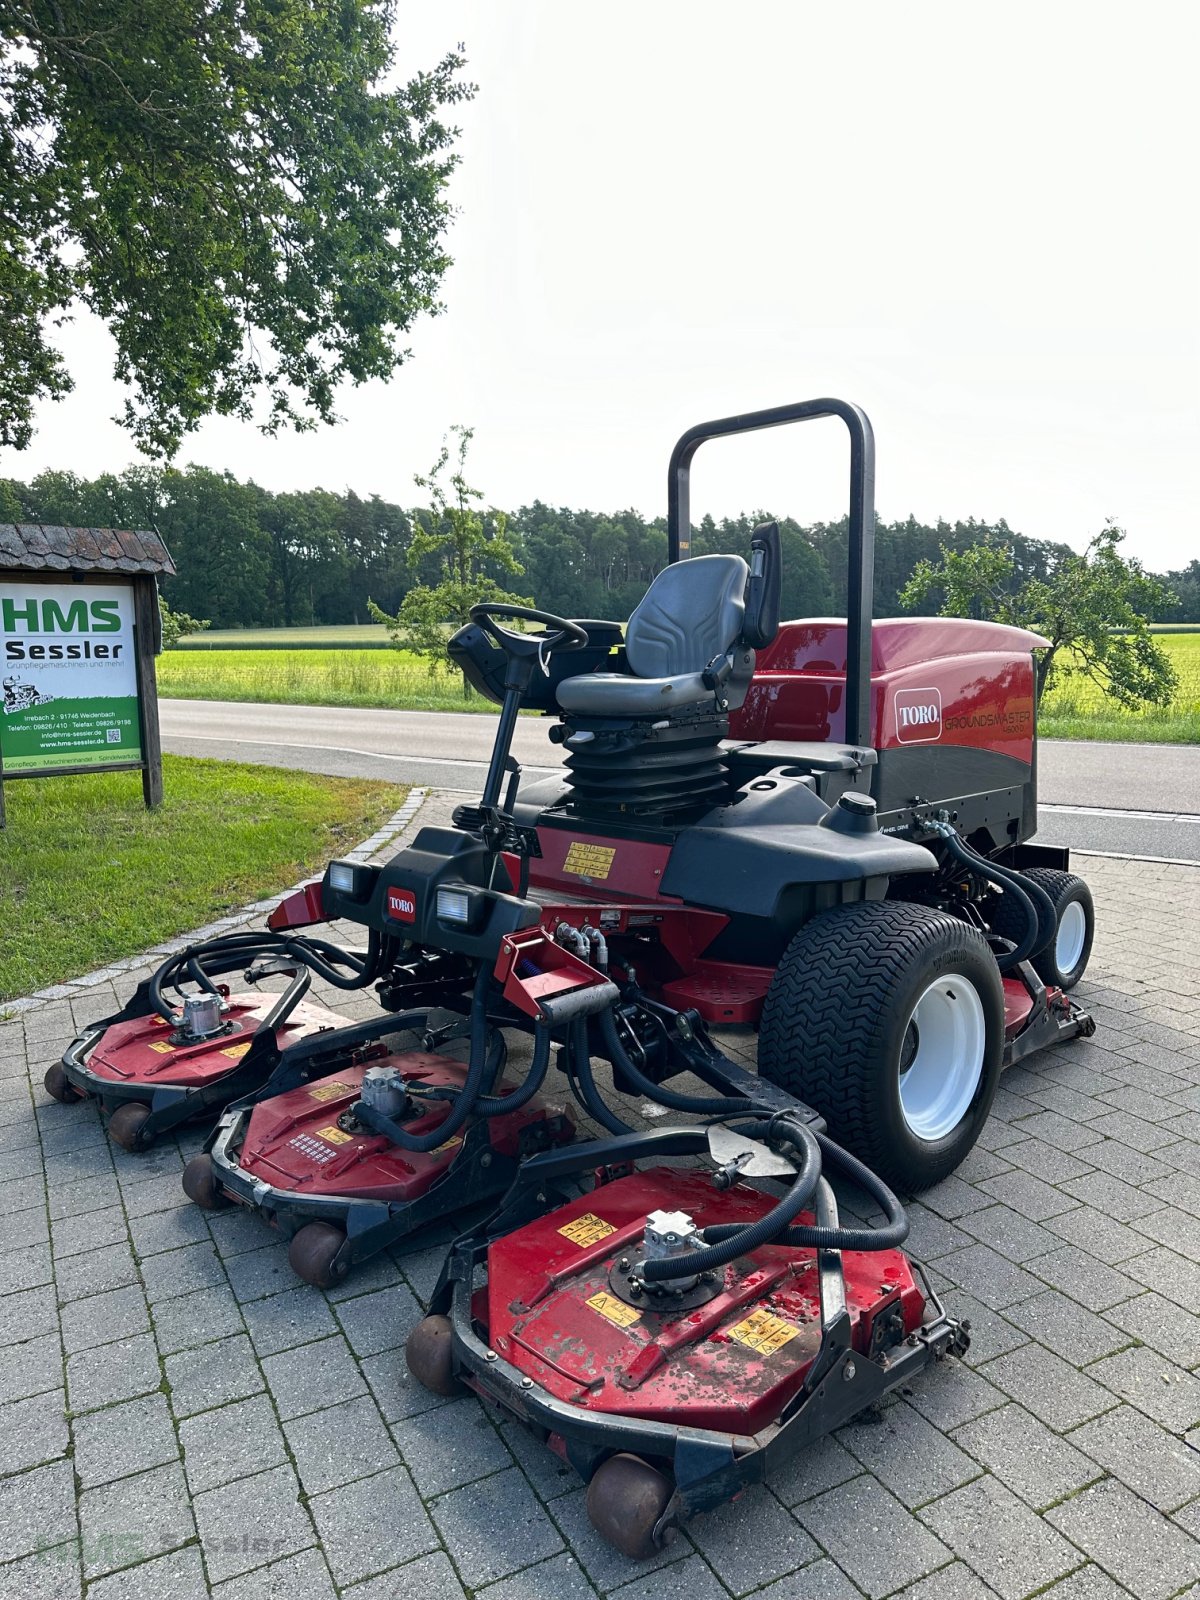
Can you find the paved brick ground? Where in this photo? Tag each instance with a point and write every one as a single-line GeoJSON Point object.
{"type": "Point", "coordinates": [179, 1417]}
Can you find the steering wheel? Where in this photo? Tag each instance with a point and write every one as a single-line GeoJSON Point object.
{"type": "Point", "coordinates": [563, 634]}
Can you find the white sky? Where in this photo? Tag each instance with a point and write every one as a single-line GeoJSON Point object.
{"type": "Point", "coordinates": [977, 222]}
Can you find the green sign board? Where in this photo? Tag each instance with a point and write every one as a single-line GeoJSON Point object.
{"type": "Point", "coordinates": [68, 675]}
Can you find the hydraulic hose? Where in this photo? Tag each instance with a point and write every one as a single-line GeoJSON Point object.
{"type": "Point", "coordinates": [500, 1105]}
{"type": "Point", "coordinates": [889, 1237]}
{"type": "Point", "coordinates": [739, 1239]}
{"type": "Point", "coordinates": [201, 962]}
{"type": "Point", "coordinates": [464, 1104]}
{"type": "Point", "coordinates": [700, 1105]}
{"type": "Point", "coordinates": [1032, 898]}
{"type": "Point", "coordinates": [580, 1059]}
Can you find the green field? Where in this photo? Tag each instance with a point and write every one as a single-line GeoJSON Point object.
{"type": "Point", "coordinates": [368, 677]}
{"type": "Point", "coordinates": [89, 876]}
{"type": "Point", "coordinates": [339, 636]}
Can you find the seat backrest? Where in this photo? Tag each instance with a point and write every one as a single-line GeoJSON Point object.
{"type": "Point", "coordinates": [691, 613]}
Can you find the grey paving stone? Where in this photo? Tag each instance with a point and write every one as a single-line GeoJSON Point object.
{"type": "Point", "coordinates": [950, 1393]}
{"type": "Point", "coordinates": [991, 1333]}
{"type": "Point", "coordinates": [124, 1439]}
{"type": "Point", "coordinates": [326, 1374]}
{"type": "Point", "coordinates": [27, 1268]}
{"type": "Point", "coordinates": [1102, 1237]}
{"type": "Point", "coordinates": [1007, 1231]}
{"type": "Point", "coordinates": [257, 1273]}
{"type": "Point", "coordinates": [952, 1198]}
{"type": "Point", "coordinates": [988, 1276]}
{"type": "Point", "coordinates": [1047, 1386]}
{"type": "Point", "coordinates": [560, 1578]}
{"type": "Point", "coordinates": [282, 1321]}
{"type": "Point", "coordinates": [234, 1442]}
{"type": "Point", "coordinates": [134, 1519]}
{"type": "Point", "coordinates": [97, 1272]}
{"type": "Point", "coordinates": [495, 1527]}
{"type": "Point", "coordinates": [752, 1541]}
{"type": "Point", "coordinates": [339, 1444]}
{"type": "Point", "coordinates": [142, 1195]}
{"type": "Point", "coordinates": [605, 1566]}
{"type": "Point", "coordinates": [240, 1531]}
{"type": "Point", "coordinates": [1154, 1385]}
{"type": "Point", "coordinates": [237, 1230]}
{"type": "Point", "coordinates": [1000, 1539]}
{"type": "Point", "coordinates": [1177, 1229]}
{"type": "Point", "coordinates": [1145, 1457]}
{"type": "Point", "coordinates": [1119, 1161]}
{"type": "Point", "coordinates": [870, 1535]}
{"type": "Point", "coordinates": [179, 1576]}
{"type": "Point", "coordinates": [1130, 1130]}
{"type": "Point", "coordinates": [31, 1367]}
{"type": "Point", "coordinates": [88, 1230]}
{"type": "Point", "coordinates": [955, 1582]}
{"type": "Point", "coordinates": [1083, 1278]}
{"type": "Point", "coordinates": [1131, 1541]}
{"type": "Point", "coordinates": [34, 1431]}
{"type": "Point", "coordinates": [1162, 1325]}
{"type": "Point", "coordinates": [821, 1580]}
{"type": "Point", "coordinates": [1066, 1328]}
{"type": "Point", "coordinates": [301, 1577]}
{"type": "Point", "coordinates": [212, 1375]}
{"type": "Point", "coordinates": [191, 1320]}
{"type": "Point", "coordinates": [908, 1455]}
{"type": "Point", "coordinates": [450, 1446]}
{"type": "Point", "coordinates": [81, 1199]}
{"type": "Point", "coordinates": [1053, 1128]}
{"type": "Point", "coordinates": [397, 1393]}
{"type": "Point", "coordinates": [379, 1321]}
{"type": "Point", "coordinates": [380, 1272]}
{"type": "Point", "coordinates": [1027, 1194]}
{"type": "Point", "coordinates": [689, 1580]}
{"type": "Point", "coordinates": [183, 1271]}
{"type": "Point", "coordinates": [1086, 1583]}
{"type": "Point", "coordinates": [118, 1371]}
{"type": "Point", "coordinates": [23, 1228]}
{"type": "Point", "coordinates": [1173, 1276]}
{"type": "Point", "coordinates": [168, 1230]}
{"type": "Point", "coordinates": [45, 1575]}
{"type": "Point", "coordinates": [378, 1523]}
{"type": "Point", "coordinates": [37, 1510]}
{"type": "Point", "coordinates": [1023, 1453]}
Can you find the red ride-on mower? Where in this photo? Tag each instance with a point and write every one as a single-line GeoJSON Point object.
{"type": "Point", "coordinates": [674, 1335]}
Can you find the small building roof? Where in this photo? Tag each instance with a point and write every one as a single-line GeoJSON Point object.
{"type": "Point", "coordinates": [34, 547]}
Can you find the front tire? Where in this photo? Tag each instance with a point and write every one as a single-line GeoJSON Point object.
{"type": "Point", "coordinates": [888, 1018]}
{"type": "Point", "coordinates": [1065, 959]}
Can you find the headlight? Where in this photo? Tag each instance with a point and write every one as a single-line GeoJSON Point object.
{"type": "Point", "coordinates": [351, 878]}
{"type": "Point", "coordinates": [455, 905]}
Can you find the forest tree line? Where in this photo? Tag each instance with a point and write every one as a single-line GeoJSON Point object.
{"type": "Point", "coordinates": [247, 557]}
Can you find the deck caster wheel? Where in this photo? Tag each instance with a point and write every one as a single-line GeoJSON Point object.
{"type": "Point", "coordinates": [312, 1254]}
{"type": "Point", "coordinates": [127, 1124]}
{"type": "Point", "coordinates": [200, 1184]}
{"type": "Point", "coordinates": [59, 1087]}
{"type": "Point", "coordinates": [429, 1353]}
{"type": "Point", "coordinates": [626, 1500]}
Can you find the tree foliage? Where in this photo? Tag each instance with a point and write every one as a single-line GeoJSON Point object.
{"type": "Point", "coordinates": [463, 548]}
{"type": "Point", "coordinates": [176, 623]}
{"type": "Point", "coordinates": [228, 185]}
{"type": "Point", "coordinates": [1091, 608]}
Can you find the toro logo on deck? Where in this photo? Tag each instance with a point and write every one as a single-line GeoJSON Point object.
{"type": "Point", "coordinates": [402, 905]}
{"type": "Point", "coordinates": [918, 715]}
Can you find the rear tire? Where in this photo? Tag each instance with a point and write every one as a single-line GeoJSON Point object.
{"type": "Point", "coordinates": [888, 1019]}
{"type": "Point", "coordinates": [1063, 962]}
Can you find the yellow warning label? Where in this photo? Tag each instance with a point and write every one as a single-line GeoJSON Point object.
{"type": "Point", "coordinates": [333, 1135]}
{"type": "Point", "coordinates": [589, 860]}
{"type": "Point", "coordinates": [450, 1144]}
{"type": "Point", "coordinates": [764, 1332]}
{"type": "Point", "coordinates": [161, 1045]}
{"type": "Point", "coordinates": [615, 1310]}
{"type": "Point", "coordinates": [236, 1051]}
{"type": "Point", "coordinates": [587, 1229]}
{"type": "Point", "coordinates": [330, 1091]}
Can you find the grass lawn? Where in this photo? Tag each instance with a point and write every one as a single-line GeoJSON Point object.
{"type": "Point", "coordinates": [397, 678]}
{"type": "Point", "coordinates": [88, 875]}
{"type": "Point", "coordinates": [332, 636]}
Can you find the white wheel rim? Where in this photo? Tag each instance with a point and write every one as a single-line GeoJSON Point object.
{"type": "Point", "coordinates": [940, 1082]}
{"type": "Point", "coordinates": [1071, 937]}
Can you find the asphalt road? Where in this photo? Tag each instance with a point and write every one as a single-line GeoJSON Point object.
{"type": "Point", "coordinates": [1123, 799]}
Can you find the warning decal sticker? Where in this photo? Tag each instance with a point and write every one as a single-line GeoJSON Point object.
{"type": "Point", "coordinates": [330, 1091]}
{"type": "Point", "coordinates": [589, 860]}
{"type": "Point", "coordinates": [162, 1046]}
{"type": "Point", "coordinates": [764, 1332]}
{"type": "Point", "coordinates": [587, 1229]}
{"type": "Point", "coordinates": [614, 1310]}
{"type": "Point", "coordinates": [236, 1051]}
{"type": "Point", "coordinates": [334, 1135]}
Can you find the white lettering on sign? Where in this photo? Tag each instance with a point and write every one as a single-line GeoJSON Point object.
{"type": "Point", "coordinates": [918, 715]}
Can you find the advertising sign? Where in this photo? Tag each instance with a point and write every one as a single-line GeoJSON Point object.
{"type": "Point", "coordinates": [68, 675]}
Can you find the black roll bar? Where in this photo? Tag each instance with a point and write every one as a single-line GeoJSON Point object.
{"type": "Point", "coordinates": [861, 564]}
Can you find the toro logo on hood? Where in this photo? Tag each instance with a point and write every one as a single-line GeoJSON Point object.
{"type": "Point", "coordinates": [918, 715]}
{"type": "Point", "coordinates": [402, 904]}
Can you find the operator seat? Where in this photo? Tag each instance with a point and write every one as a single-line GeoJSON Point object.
{"type": "Point", "coordinates": [680, 635]}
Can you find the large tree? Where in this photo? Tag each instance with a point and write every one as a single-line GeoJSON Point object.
{"type": "Point", "coordinates": [227, 184]}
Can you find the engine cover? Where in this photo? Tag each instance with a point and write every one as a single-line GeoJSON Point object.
{"type": "Point", "coordinates": [730, 1364]}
